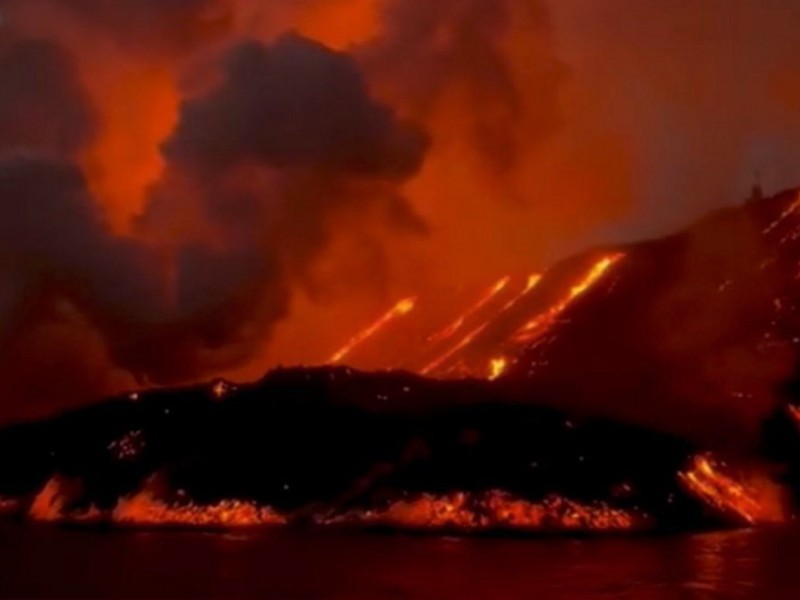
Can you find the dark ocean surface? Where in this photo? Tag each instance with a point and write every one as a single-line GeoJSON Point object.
{"type": "Point", "coordinates": [41, 561]}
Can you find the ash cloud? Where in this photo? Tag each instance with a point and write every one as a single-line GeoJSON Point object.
{"type": "Point", "coordinates": [258, 171]}
{"type": "Point", "coordinates": [289, 140]}
{"type": "Point", "coordinates": [458, 51]}
{"type": "Point", "coordinates": [43, 107]}
{"type": "Point", "coordinates": [295, 104]}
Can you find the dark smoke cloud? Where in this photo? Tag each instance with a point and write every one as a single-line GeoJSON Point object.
{"type": "Point", "coordinates": [58, 264]}
{"type": "Point", "coordinates": [289, 140]}
{"type": "Point", "coordinates": [430, 52]}
{"type": "Point", "coordinates": [42, 105]}
{"type": "Point", "coordinates": [295, 104]}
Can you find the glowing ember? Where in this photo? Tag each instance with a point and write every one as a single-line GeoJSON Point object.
{"type": "Point", "coordinates": [221, 388]}
{"type": "Point", "coordinates": [129, 446]}
{"type": "Point", "coordinates": [497, 367]}
{"type": "Point", "coordinates": [759, 501]}
{"type": "Point", "coordinates": [400, 309]}
{"type": "Point", "coordinates": [537, 327]}
{"type": "Point", "coordinates": [456, 325]}
{"type": "Point", "coordinates": [466, 512]}
{"type": "Point", "coordinates": [144, 509]}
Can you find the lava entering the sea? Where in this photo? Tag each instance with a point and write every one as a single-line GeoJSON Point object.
{"type": "Point", "coordinates": [495, 510]}
{"type": "Point", "coordinates": [748, 503]}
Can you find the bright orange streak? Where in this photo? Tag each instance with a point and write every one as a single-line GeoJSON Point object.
{"type": "Point", "coordinates": [539, 325]}
{"type": "Point", "coordinates": [453, 328]}
{"type": "Point", "coordinates": [533, 281]}
{"type": "Point", "coordinates": [465, 341]}
{"type": "Point", "coordinates": [497, 367]}
{"type": "Point", "coordinates": [744, 503]}
{"type": "Point", "coordinates": [400, 309]}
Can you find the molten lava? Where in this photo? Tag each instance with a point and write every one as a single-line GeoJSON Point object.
{"type": "Point", "coordinates": [456, 325]}
{"type": "Point", "coordinates": [497, 367]}
{"type": "Point", "coordinates": [496, 510]}
{"type": "Point", "coordinates": [533, 281]}
{"type": "Point", "coordinates": [786, 213]}
{"type": "Point", "coordinates": [733, 500]}
{"type": "Point", "coordinates": [538, 326]}
{"type": "Point", "coordinates": [400, 309]}
{"type": "Point", "coordinates": [143, 509]}
{"type": "Point", "coordinates": [463, 343]}
{"type": "Point", "coordinates": [50, 504]}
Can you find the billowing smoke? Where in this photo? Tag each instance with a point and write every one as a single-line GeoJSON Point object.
{"type": "Point", "coordinates": [265, 163]}
{"type": "Point", "coordinates": [434, 53]}
{"type": "Point", "coordinates": [42, 105]}
{"type": "Point", "coordinates": [261, 169]}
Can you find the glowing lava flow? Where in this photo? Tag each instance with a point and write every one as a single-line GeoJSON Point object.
{"type": "Point", "coordinates": [50, 503]}
{"type": "Point", "coordinates": [533, 281]}
{"type": "Point", "coordinates": [144, 509]}
{"type": "Point", "coordinates": [456, 325]}
{"type": "Point", "coordinates": [400, 309]}
{"type": "Point", "coordinates": [783, 216]}
{"type": "Point", "coordinates": [539, 325]}
{"type": "Point", "coordinates": [465, 341]}
{"type": "Point", "coordinates": [497, 366]}
{"type": "Point", "coordinates": [496, 510]}
{"type": "Point", "coordinates": [733, 500]}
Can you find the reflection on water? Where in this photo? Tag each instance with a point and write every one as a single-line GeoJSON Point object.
{"type": "Point", "coordinates": [47, 562]}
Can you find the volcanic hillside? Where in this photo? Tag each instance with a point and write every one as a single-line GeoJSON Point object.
{"type": "Point", "coordinates": [551, 402]}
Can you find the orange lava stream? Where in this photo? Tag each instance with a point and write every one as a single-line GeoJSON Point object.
{"type": "Point", "coordinates": [783, 216]}
{"type": "Point", "coordinates": [538, 326]}
{"type": "Point", "coordinates": [48, 505]}
{"type": "Point", "coordinates": [465, 341]}
{"type": "Point", "coordinates": [456, 325]}
{"type": "Point", "coordinates": [533, 281]}
{"type": "Point", "coordinates": [400, 309]}
{"type": "Point", "coordinates": [50, 502]}
{"type": "Point", "coordinates": [705, 480]}
{"type": "Point", "coordinates": [468, 512]}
